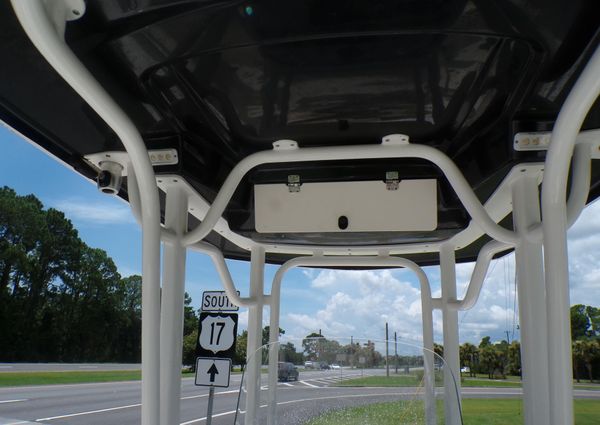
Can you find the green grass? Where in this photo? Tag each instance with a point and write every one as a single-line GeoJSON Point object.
{"type": "Point", "coordinates": [382, 381]}
{"type": "Point", "coordinates": [474, 382]}
{"type": "Point", "coordinates": [415, 381]}
{"type": "Point", "coordinates": [475, 412]}
{"type": "Point", "coordinates": [592, 387]}
{"type": "Point", "coordinates": [14, 379]}
{"type": "Point", "coordinates": [373, 414]}
{"type": "Point", "coordinates": [485, 376]}
{"type": "Point", "coordinates": [18, 379]}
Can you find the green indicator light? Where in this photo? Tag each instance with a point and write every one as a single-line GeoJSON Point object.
{"type": "Point", "coordinates": [249, 11]}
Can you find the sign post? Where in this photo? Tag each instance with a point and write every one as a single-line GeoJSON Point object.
{"type": "Point", "coordinates": [217, 333]}
{"type": "Point", "coordinates": [209, 408]}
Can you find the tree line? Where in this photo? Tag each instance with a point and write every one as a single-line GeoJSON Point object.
{"type": "Point", "coordinates": [64, 301]}
{"type": "Point", "coordinates": [585, 332]}
{"type": "Point", "coordinates": [60, 299]}
{"type": "Point", "coordinates": [496, 360]}
{"type": "Point", "coordinates": [500, 359]}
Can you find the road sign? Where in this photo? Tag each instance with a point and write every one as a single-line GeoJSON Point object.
{"type": "Point", "coordinates": [212, 372]}
{"type": "Point", "coordinates": [217, 301]}
{"type": "Point", "coordinates": [216, 335]}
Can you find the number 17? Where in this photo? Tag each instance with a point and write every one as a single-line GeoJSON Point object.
{"type": "Point", "coordinates": [221, 325]}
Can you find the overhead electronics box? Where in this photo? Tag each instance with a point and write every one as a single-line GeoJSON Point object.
{"type": "Point", "coordinates": [364, 206]}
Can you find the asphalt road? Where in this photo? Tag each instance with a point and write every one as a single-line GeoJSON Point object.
{"type": "Point", "coordinates": [119, 402]}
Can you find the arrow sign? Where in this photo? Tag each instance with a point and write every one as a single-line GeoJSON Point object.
{"type": "Point", "coordinates": [212, 372]}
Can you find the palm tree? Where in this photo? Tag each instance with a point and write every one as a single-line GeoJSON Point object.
{"type": "Point", "coordinates": [468, 352]}
{"type": "Point", "coordinates": [585, 350]}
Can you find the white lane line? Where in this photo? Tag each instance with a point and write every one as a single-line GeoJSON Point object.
{"type": "Point", "coordinates": [193, 421]}
{"type": "Point", "coordinates": [190, 397]}
{"type": "Point", "coordinates": [91, 412]}
{"type": "Point", "coordinates": [18, 423]}
{"type": "Point", "coordinates": [231, 412]}
{"type": "Point", "coordinates": [286, 384]}
{"type": "Point", "coordinates": [13, 401]}
{"type": "Point", "coordinates": [320, 381]}
{"type": "Point", "coordinates": [88, 412]}
{"type": "Point", "coordinates": [308, 385]}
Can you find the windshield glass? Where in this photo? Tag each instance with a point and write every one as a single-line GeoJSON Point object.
{"type": "Point", "coordinates": [330, 381]}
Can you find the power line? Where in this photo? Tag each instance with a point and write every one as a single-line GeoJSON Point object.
{"type": "Point", "coordinates": [506, 295]}
{"type": "Point", "coordinates": [514, 324]}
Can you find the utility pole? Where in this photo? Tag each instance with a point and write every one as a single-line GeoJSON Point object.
{"type": "Point", "coordinates": [507, 337]}
{"type": "Point", "coordinates": [396, 351]}
{"type": "Point", "coordinates": [387, 356]}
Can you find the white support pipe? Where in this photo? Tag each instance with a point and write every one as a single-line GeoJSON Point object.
{"type": "Point", "coordinates": [581, 177]}
{"type": "Point", "coordinates": [580, 187]}
{"type": "Point", "coordinates": [133, 195]}
{"type": "Point", "coordinates": [452, 414]}
{"type": "Point", "coordinates": [219, 261]}
{"type": "Point", "coordinates": [253, 351]}
{"type": "Point", "coordinates": [580, 183]}
{"type": "Point", "coordinates": [172, 307]}
{"type": "Point", "coordinates": [40, 29]}
{"type": "Point", "coordinates": [532, 304]}
{"type": "Point", "coordinates": [586, 142]}
{"type": "Point", "coordinates": [554, 214]}
{"type": "Point", "coordinates": [486, 254]}
{"type": "Point", "coordinates": [213, 252]}
{"type": "Point", "coordinates": [449, 169]}
{"type": "Point", "coordinates": [354, 261]}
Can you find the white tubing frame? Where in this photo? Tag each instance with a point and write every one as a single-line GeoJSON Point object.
{"type": "Point", "coordinates": [355, 261]}
{"type": "Point", "coordinates": [452, 399]}
{"type": "Point", "coordinates": [172, 307]}
{"type": "Point", "coordinates": [255, 313]}
{"type": "Point", "coordinates": [532, 304]}
{"type": "Point", "coordinates": [449, 169]}
{"type": "Point", "coordinates": [46, 34]}
{"type": "Point", "coordinates": [554, 225]}
{"type": "Point", "coordinates": [587, 142]}
{"type": "Point", "coordinates": [42, 31]}
{"type": "Point", "coordinates": [576, 203]}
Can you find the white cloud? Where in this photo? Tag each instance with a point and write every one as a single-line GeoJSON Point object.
{"type": "Point", "coordinates": [358, 303]}
{"type": "Point", "coordinates": [243, 319]}
{"type": "Point", "coordinates": [584, 257]}
{"type": "Point", "coordinates": [100, 213]}
{"type": "Point", "coordinates": [128, 271]}
{"type": "Point", "coordinates": [309, 273]}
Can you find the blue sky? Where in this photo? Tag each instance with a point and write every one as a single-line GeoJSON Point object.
{"type": "Point", "coordinates": [341, 303]}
